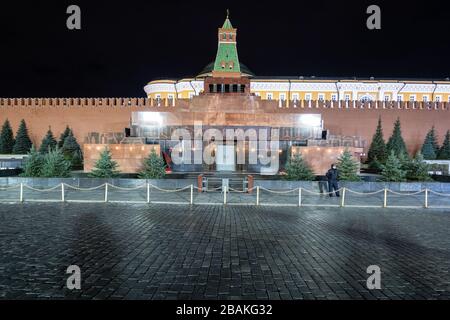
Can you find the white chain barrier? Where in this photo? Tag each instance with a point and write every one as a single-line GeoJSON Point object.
{"type": "Point", "coordinates": [226, 190]}
{"type": "Point", "coordinates": [406, 194]}
{"type": "Point", "coordinates": [9, 187]}
{"type": "Point", "coordinates": [43, 190]}
{"type": "Point", "coordinates": [439, 194]}
{"type": "Point", "coordinates": [127, 189]}
{"type": "Point", "coordinates": [84, 189]}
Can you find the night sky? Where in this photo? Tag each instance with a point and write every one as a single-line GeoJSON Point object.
{"type": "Point", "coordinates": [125, 44]}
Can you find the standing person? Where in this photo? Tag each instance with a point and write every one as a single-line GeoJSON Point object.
{"type": "Point", "coordinates": [332, 176]}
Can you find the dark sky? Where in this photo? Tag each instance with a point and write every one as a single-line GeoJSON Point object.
{"type": "Point", "coordinates": [125, 44]}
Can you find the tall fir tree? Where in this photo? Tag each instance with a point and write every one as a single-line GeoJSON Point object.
{"type": "Point", "coordinates": [434, 139]}
{"type": "Point", "coordinates": [298, 169]}
{"type": "Point", "coordinates": [72, 149]}
{"type": "Point", "coordinates": [444, 151]}
{"type": "Point", "coordinates": [105, 167]}
{"type": "Point", "coordinates": [63, 137]}
{"type": "Point", "coordinates": [23, 143]}
{"type": "Point", "coordinates": [153, 167]}
{"type": "Point", "coordinates": [392, 170]}
{"type": "Point", "coordinates": [430, 147]}
{"type": "Point", "coordinates": [427, 148]}
{"type": "Point", "coordinates": [6, 138]}
{"type": "Point", "coordinates": [396, 142]}
{"type": "Point", "coordinates": [377, 150]}
{"type": "Point", "coordinates": [33, 164]}
{"type": "Point", "coordinates": [48, 143]}
{"type": "Point", "coordinates": [418, 169]}
{"type": "Point", "coordinates": [54, 165]}
{"type": "Point", "coordinates": [348, 167]}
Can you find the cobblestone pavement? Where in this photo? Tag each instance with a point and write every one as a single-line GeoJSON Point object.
{"type": "Point", "coordinates": [214, 252]}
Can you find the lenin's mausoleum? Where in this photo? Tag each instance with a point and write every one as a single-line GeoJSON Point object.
{"type": "Point", "coordinates": [318, 117]}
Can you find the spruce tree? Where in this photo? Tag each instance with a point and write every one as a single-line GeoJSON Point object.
{"type": "Point", "coordinates": [153, 168]}
{"type": "Point", "coordinates": [298, 169]}
{"type": "Point", "coordinates": [33, 164]}
{"type": "Point", "coordinates": [392, 170]}
{"type": "Point", "coordinates": [348, 167]}
{"type": "Point", "coordinates": [23, 142]}
{"type": "Point", "coordinates": [6, 138]}
{"type": "Point", "coordinates": [418, 170]}
{"type": "Point", "coordinates": [377, 150]}
{"type": "Point", "coordinates": [48, 143]}
{"type": "Point", "coordinates": [427, 150]}
{"type": "Point", "coordinates": [434, 140]}
{"type": "Point", "coordinates": [63, 137]}
{"type": "Point", "coordinates": [71, 148]}
{"type": "Point", "coordinates": [55, 166]}
{"type": "Point", "coordinates": [405, 161]}
{"type": "Point", "coordinates": [396, 142]}
{"type": "Point", "coordinates": [105, 167]}
{"type": "Point", "coordinates": [375, 164]}
{"type": "Point", "coordinates": [444, 151]}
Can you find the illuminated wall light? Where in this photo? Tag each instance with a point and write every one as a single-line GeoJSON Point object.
{"type": "Point", "coordinates": [98, 148]}
{"type": "Point", "coordinates": [117, 148]}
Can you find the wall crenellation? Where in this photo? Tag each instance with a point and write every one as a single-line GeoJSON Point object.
{"type": "Point", "coordinates": [275, 104]}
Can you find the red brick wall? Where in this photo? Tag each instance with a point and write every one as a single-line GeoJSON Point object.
{"type": "Point", "coordinates": [113, 115]}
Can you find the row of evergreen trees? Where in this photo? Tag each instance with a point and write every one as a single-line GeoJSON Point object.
{"type": "Point", "coordinates": [298, 169]}
{"type": "Point", "coordinates": [22, 143]}
{"type": "Point", "coordinates": [105, 167]}
{"type": "Point", "coordinates": [51, 164]}
{"type": "Point", "coordinates": [9, 145]}
{"type": "Point", "coordinates": [397, 168]}
{"type": "Point", "coordinates": [54, 164]}
{"type": "Point", "coordinates": [379, 151]}
{"type": "Point", "coordinates": [430, 148]}
{"type": "Point", "coordinates": [67, 145]}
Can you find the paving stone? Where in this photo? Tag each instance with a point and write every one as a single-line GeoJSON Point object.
{"type": "Point", "coordinates": [213, 252]}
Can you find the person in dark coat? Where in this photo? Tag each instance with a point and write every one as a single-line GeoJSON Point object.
{"type": "Point", "coordinates": [332, 177]}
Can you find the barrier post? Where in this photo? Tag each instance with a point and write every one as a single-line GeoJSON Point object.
{"type": "Point", "coordinates": [148, 192]}
{"type": "Point", "coordinates": [257, 195]}
{"type": "Point", "coordinates": [192, 194]}
{"type": "Point", "coordinates": [21, 192]}
{"type": "Point", "coordinates": [385, 198]}
{"type": "Point", "coordinates": [343, 197]}
{"type": "Point", "coordinates": [299, 197]}
{"type": "Point", "coordinates": [225, 195]}
{"type": "Point", "coordinates": [426, 198]}
{"type": "Point", "coordinates": [106, 192]}
{"type": "Point", "coordinates": [62, 192]}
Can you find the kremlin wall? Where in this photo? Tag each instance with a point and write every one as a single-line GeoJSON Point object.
{"type": "Point", "coordinates": [107, 118]}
